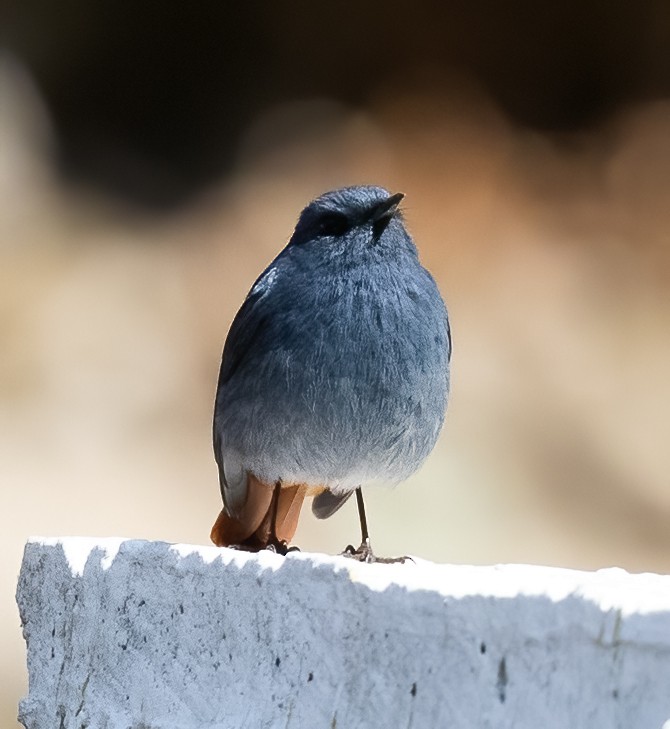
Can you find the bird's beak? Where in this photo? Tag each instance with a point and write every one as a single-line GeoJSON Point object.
{"type": "Point", "coordinates": [387, 208]}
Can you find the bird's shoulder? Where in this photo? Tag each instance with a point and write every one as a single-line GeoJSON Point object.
{"type": "Point", "coordinates": [257, 315]}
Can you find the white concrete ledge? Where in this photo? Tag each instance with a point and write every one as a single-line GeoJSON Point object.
{"type": "Point", "coordinates": [147, 635]}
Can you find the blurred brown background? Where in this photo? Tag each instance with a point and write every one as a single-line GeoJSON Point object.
{"type": "Point", "coordinates": [154, 158]}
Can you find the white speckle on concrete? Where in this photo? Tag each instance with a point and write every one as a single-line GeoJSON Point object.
{"type": "Point", "coordinates": [148, 635]}
{"type": "Point", "coordinates": [77, 550]}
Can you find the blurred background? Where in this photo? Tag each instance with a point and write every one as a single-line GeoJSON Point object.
{"type": "Point", "coordinates": [154, 158]}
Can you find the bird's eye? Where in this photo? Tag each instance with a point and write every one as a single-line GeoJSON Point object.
{"type": "Point", "coordinates": [330, 224]}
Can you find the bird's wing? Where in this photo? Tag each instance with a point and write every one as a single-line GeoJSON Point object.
{"type": "Point", "coordinates": [249, 323]}
{"type": "Point", "coordinates": [449, 340]}
{"type": "Point", "coordinates": [327, 503]}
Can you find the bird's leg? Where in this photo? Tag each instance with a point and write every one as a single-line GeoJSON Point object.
{"type": "Point", "coordinates": [364, 553]}
{"type": "Point", "coordinates": [274, 543]}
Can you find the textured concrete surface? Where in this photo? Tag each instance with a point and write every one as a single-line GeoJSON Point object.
{"type": "Point", "coordinates": [148, 635]}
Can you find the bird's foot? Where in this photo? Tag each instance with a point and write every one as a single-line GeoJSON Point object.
{"type": "Point", "coordinates": [243, 547]}
{"type": "Point", "coordinates": [281, 547]}
{"type": "Point", "coordinates": [278, 547]}
{"type": "Point", "coordinates": [365, 554]}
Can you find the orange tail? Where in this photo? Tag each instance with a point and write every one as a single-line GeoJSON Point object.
{"type": "Point", "coordinates": [252, 527]}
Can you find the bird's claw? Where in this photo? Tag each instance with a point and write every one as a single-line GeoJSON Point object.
{"type": "Point", "coordinates": [279, 547]}
{"type": "Point", "coordinates": [365, 554]}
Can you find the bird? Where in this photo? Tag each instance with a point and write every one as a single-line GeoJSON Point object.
{"type": "Point", "coordinates": [335, 373]}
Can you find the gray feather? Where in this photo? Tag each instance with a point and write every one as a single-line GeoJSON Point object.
{"type": "Point", "coordinates": [335, 371]}
{"type": "Point", "coordinates": [327, 503]}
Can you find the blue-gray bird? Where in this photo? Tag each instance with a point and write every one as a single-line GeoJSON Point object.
{"type": "Point", "coordinates": [335, 372]}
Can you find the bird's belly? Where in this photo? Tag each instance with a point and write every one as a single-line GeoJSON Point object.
{"type": "Point", "coordinates": [337, 433]}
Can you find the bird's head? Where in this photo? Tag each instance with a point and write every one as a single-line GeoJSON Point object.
{"type": "Point", "coordinates": [363, 213]}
